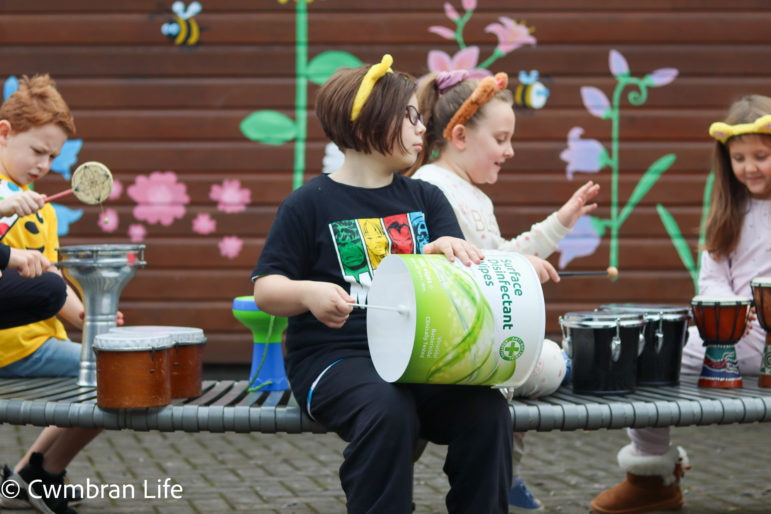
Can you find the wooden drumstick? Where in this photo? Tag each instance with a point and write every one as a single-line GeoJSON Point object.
{"type": "Point", "coordinates": [611, 273]}
{"type": "Point", "coordinates": [401, 309]}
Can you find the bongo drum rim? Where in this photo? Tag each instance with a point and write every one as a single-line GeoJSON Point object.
{"type": "Point", "coordinates": [721, 300]}
{"type": "Point", "coordinates": [601, 319]}
{"type": "Point", "coordinates": [178, 335]}
{"type": "Point", "coordinates": [118, 342]}
{"type": "Point", "coordinates": [761, 281]}
{"type": "Point", "coordinates": [651, 311]}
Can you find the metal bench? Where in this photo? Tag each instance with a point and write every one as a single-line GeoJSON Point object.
{"type": "Point", "coordinates": [226, 406]}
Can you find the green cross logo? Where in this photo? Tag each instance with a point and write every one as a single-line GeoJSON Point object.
{"type": "Point", "coordinates": [512, 348]}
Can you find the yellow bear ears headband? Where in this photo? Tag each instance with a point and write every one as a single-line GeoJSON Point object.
{"type": "Point", "coordinates": [723, 131]}
{"type": "Point", "coordinates": [486, 89]}
{"type": "Point", "coordinates": [375, 73]}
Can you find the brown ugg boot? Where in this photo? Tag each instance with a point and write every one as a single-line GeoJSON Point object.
{"type": "Point", "coordinates": [652, 483]}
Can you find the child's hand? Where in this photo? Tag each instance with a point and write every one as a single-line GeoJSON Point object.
{"type": "Point", "coordinates": [30, 263]}
{"type": "Point", "coordinates": [576, 206]}
{"type": "Point", "coordinates": [329, 303]}
{"type": "Point", "coordinates": [544, 269]}
{"type": "Point", "coordinates": [22, 204]}
{"type": "Point", "coordinates": [453, 247]}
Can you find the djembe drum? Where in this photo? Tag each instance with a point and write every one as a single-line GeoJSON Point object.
{"type": "Point", "coordinates": [99, 272]}
{"type": "Point", "coordinates": [721, 321]}
{"type": "Point", "coordinates": [761, 293]}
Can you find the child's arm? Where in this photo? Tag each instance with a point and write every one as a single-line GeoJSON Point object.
{"type": "Point", "coordinates": [281, 296]}
{"type": "Point", "coordinates": [542, 238]}
{"type": "Point", "coordinates": [21, 204]}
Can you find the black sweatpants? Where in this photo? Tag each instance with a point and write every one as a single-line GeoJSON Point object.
{"type": "Point", "coordinates": [382, 423]}
{"type": "Point", "coordinates": [27, 300]}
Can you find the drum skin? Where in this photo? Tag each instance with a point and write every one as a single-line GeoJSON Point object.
{"type": "Point", "coordinates": [186, 370]}
{"type": "Point", "coordinates": [133, 379]}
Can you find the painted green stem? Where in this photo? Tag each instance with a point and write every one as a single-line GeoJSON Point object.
{"type": "Point", "coordinates": [497, 54]}
{"type": "Point", "coordinates": [301, 91]}
{"type": "Point", "coordinates": [459, 24]}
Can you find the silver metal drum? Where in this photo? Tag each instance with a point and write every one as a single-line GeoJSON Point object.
{"type": "Point", "coordinates": [99, 272]}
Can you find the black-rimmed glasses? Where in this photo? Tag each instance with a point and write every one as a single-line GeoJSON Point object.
{"type": "Point", "coordinates": [413, 115]}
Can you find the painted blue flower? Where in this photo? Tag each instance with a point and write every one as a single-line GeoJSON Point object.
{"type": "Point", "coordinates": [583, 240]}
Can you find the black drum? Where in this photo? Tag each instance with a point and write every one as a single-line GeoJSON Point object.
{"type": "Point", "coordinates": [666, 332]}
{"type": "Point", "coordinates": [604, 348]}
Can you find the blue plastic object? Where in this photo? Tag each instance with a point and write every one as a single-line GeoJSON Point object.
{"type": "Point", "coordinates": [267, 372]}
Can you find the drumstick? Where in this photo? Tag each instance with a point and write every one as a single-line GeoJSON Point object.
{"type": "Point", "coordinates": [401, 309]}
{"type": "Point", "coordinates": [611, 273]}
{"type": "Point", "coordinates": [58, 195]}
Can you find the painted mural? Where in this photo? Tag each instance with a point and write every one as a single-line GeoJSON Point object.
{"type": "Point", "coordinates": [584, 155]}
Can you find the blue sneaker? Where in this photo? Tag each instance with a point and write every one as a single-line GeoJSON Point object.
{"type": "Point", "coordinates": [520, 498]}
{"type": "Point", "coordinates": [568, 369]}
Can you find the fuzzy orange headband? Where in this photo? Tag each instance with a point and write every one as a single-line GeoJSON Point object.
{"type": "Point", "coordinates": [486, 89]}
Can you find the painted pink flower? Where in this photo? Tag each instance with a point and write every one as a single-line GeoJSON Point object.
{"type": "Point", "coordinates": [230, 246]}
{"type": "Point", "coordinates": [230, 196]}
{"type": "Point", "coordinates": [204, 224]}
{"type": "Point", "coordinates": [159, 197]}
{"type": "Point", "coordinates": [108, 221]}
{"type": "Point", "coordinates": [137, 232]}
{"type": "Point", "coordinates": [117, 190]}
{"type": "Point", "coordinates": [469, 5]}
{"type": "Point", "coordinates": [618, 65]}
{"type": "Point", "coordinates": [511, 35]}
{"type": "Point", "coordinates": [465, 59]}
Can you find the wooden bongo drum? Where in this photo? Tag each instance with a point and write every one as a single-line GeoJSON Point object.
{"type": "Point", "coordinates": [722, 321]}
{"type": "Point", "coordinates": [132, 370]}
{"type": "Point", "coordinates": [761, 294]}
{"type": "Point", "coordinates": [186, 356]}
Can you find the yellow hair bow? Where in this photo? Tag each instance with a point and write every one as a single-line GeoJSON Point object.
{"type": "Point", "coordinates": [375, 73]}
{"type": "Point", "coordinates": [723, 131]}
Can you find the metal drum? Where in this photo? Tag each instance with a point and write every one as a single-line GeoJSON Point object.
{"type": "Point", "coordinates": [132, 370]}
{"type": "Point", "coordinates": [99, 272]}
{"type": "Point", "coordinates": [722, 321]}
{"type": "Point", "coordinates": [604, 348]}
{"type": "Point", "coordinates": [186, 355]}
{"type": "Point", "coordinates": [665, 332]}
{"type": "Point", "coordinates": [761, 295]}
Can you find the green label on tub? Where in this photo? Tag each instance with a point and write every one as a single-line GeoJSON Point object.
{"type": "Point", "coordinates": [456, 338]}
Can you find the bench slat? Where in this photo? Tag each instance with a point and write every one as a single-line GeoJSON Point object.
{"type": "Point", "coordinates": [226, 406]}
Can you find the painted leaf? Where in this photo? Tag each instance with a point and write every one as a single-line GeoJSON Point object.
{"type": "Point", "coordinates": [595, 102]}
{"type": "Point", "coordinates": [269, 127]}
{"type": "Point", "coordinates": [67, 157]}
{"type": "Point", "coordinates": [618, 65]}
{"type": "Point", "coordinates": [10, 87]}
{"type": "Point", "coordinates": [326, 63]}
{"type": "Point", "coordinates": [646, 183]}
{"type": "Point", "coordinates": [681, 245]}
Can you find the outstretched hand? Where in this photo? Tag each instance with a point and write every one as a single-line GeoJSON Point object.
{"type": "Point", "coordinates": [577, 206]}
{"type": "Point", "coordinates": [453, 247]}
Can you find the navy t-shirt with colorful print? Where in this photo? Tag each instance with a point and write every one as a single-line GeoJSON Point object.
{"type": "Point", "coordinates": [331, 232]}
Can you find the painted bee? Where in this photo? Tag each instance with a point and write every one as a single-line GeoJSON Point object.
{"type": "Point", "coordinates": [184, 30]}
{"type": "Point", "coordinates": [530, 92]}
